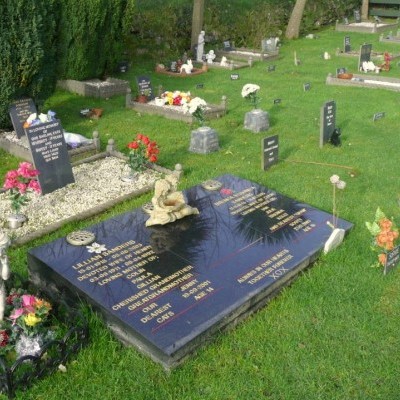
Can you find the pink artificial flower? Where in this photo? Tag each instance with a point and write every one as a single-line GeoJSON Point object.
{"type": "Point", "coordinates": [21, 187]}
{"type": "Point", "coordinates": [226, 191]}
{"type": "Point", "coordinates": [28, 302]}
{"type": "Point", "coordinates": [9, 183]}
{"type": "Point", "coordinates": [26, 170]}
{"type": "Point", "coordinates": [16, 314]}
{"type": "Point", "coordinates": [13, 174]}
{"type": "Point", "coordinates": [34, 185]}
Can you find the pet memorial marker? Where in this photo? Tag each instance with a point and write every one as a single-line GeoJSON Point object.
{"type": "Point", "coordinates": [378, 116]}
{"type": "Point", "coordinates": [271, 68]}
{"type": "Point", "coordinates": [166, 289]}
{"type": "Point", "coordinates": [144, 87]}
{"type": "Point", "coordinates": [392, 259]}
{"type": "Point", "coordinates": [234, 77]}
{"type": "Point", "coordinates": [328, 121]}
{"type": "Point", "coordinates": [307, 87]}
{"type": "Point", "coordinates": [365, 54]}
{"type": "Point", "coordinates": [347, 45]}
{"type": "Point", "coordinates": [50, 155]}
{"type": "Point", "coordinates": [19, 111]}
{"type": "Point", "coordinates": [200, 86]}
{"type": "Point", "coordinates": [270, 150]}
{"type": "Point", "coordinates": [277, 101]}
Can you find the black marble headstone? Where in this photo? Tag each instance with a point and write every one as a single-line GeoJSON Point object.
{"type": "Point", "coordinates": [19, 111]}
{"type": "Point", "coordinates": [50, 155]}
{"type": "Point", "coordinates": [365, 54]}
{"type": "Point", "coordinates": [270, 151]}
{"type": "Point", "coordinates": [227, 45]}
{"type": "Point", "coordinates": [347, 44]}
{"type": "Point", "coordinates": [327, 122]}
{"type": "Point", "coordinates": [145, 87]}
{"type": "Point", "coordinates": [167, 289]}
{"type": "Point", "coordinates": [392, 259]}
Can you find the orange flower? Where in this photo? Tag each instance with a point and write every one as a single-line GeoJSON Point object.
{"type": "Point", "coordinates": [382, 258]}
{"type": "Point", "coordinates": [382, 239]}
{"type": "Point", "coordinates": [385, 224]}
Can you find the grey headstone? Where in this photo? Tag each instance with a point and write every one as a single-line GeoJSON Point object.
{"type": "Point", "coordinates": [256, 121]}
{"type": "Point", "coordinates": [204, 140]}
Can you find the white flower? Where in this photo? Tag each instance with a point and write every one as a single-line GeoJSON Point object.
{"type": "Point", "coordinates": [96, 248]}
{"type": "Point", "coordinates": [341, 184]}
{"type": "Point", "coordinates": [192, 106]}
{"type": "Point", "coordinates": [249, 88]}
{"type": "Point", "coordinates": [334, 179]}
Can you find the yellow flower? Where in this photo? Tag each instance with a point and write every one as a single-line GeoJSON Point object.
{"type": "Point", "coordinates": [31, 319]}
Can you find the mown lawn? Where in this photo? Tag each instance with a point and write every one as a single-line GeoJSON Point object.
{"type": "Point", "coordinates": [334, 333]}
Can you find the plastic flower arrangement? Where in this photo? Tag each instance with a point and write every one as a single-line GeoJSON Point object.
{"type": "Point", "coordinates": [19, 182]}
{"type": "Point", "coordinates": [196, 107]}
{"type": "Point", "coordinates": [141, 151]}
{"type": "Point", "coordinates": [35, 119]}
{"type": "Point", "coordinates": [336, 184]}
{"type": "Point", "coordinates": [250, 92]}
{"type": "Point", "coordinates": [176, 98]}
{"type": "Point", "coordinates": [25, 326]}
{"type": "Point", "coordinates": [385, 236]}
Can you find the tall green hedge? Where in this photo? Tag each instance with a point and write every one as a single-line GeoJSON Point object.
{"type": "Point", "coordinates": [45, 40]}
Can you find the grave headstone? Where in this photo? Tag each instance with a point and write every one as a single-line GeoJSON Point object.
{"type": "Point", "coordinates": [357, 16]}
{"type": "Point", "coordinates": [50, 155]}
{"type": "Point", "coordinates": [269, 45]}
{"type": "Point", "coordinates": [341, 70]}
{"type": "Point", "coordinates": [365, 54]}
{"type": "Point", "coordinates": [327, 122]}
{"type": "Point", "coordinates": [145, 87]}
{"type": "Point", "coordinates": [270, 151]}
{"type": "Point", "coordinates": [345, 21]}
{"type": "Point", "coordinates": [204, 140]}
{"type": "Point", "coordinates": [168, 288]}
{"type": "Point", "coordinates": [392, 259]}
{"type": "Point", "coordinates": [19, 112]}
{"type": "Point", "coordinates": [378, 116]}
{"type": "Point", "coordinates": [347, 44]}
{"type": "Point", "coordinates": [227, 45]}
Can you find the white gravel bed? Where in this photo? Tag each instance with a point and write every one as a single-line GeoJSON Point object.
{"type": "Point", "coordinates": [96, 183]}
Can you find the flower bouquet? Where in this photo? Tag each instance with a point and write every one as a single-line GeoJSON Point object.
{"type": "Point", "coordinates": [36, 337]}
{"type": "Point", "coordinates": [385, 237]}
{"type": "Point", "coordinates": [141, 151]}
{"type": "Point", "coordinates": [19, 182]}
{"type": "Point", "coordinates": [176, 98]}
{"type": "Point", "coordinates": [250, 92]}
{"type": "Point", "coordinates": [196, 107]}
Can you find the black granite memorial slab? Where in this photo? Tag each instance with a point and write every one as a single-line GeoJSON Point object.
{"type": "Point", "coordinates": [145, 87]}
{"type": "Point", "coordinates": [327, 122]}
{"type": "Point", "coordinates": [365, 54]}
{"type": "Point", "coordinates": [19, 111]}
{"type": "Point", "coordinates": [50, 155]}
{"type": "Point", "coordinates": [269, 151]}
{"type": "Point", "coordinates": [167, 289]}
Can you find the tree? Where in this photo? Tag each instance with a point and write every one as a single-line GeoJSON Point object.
{"type": "Point", "coordinates": [364, 10]}
{"type": "Point", "coordinates": [293, 27]}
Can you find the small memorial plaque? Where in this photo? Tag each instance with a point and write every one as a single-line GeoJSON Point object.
{"type": "Point", "coordinates": [328, 121]}
{"type": "Point", "coordinates": [347, 45]}
{"type": "Point", "coordinates": [307, 87]}
{"type": "Point", "coordinates": [270, 150]}
{"type": "Point", "coordinates": [50, 155]}
{"type": "Point", "coordinates": [341, 70]}
{"type": "Point", "coordinates": [200, 86]}
{"type": "Point", "coordinates": [277, 101]}
{"type": "Point", "coordinates": [234, 77]}
{"type": "Point", "coordinates": [145, 87]}
{"type": "Point", "coordinates": [392, 259]}
{"type": "Point", "coordinates": [227, 45]}
{"type": "Point", "coordinates": [19, 111]}
{"type": "Point", "coordinates": [365, 54]}
{"type": "Point", "coordinates": [271, 68]}
{"type": "Point", "coordinates": [379, 115]}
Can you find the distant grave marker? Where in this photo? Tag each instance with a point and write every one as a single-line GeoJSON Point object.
{"type": "Point", "coordinates": [227, 45]}
{"type": "Point", "coordinates": [328, 122]}
{"type": "Point", "coordinates": [345, 21]}
{"type": "Point", "coordinates": [19, 111]}
{"type": "Point", "coordinates": [307, 86]}
{"type": "Point", "coordinates": [271, 68]}
{"type": "Point", "coordinates": [347, 44]}
{"type": "Point", "coordinates": [234, 77]}
{"type": "Point", "coordinates": [200, 86]}
{"type": "Point", "coordinates": [50, 155]}
{"type": "Point", "coordinates": [357, 16]}
{"type": "Point", "coordinates": [341, 70]}
{"type": "Point", "coordinates": [277, 101]}
{"type": "Point", "coordinates": [365, 54]}
{"type": "Point", "coordinates": [145, 87]}
{"type": "Point", "coordinates": [270, 150]}
{"type": "Point", "coordinates": [378, 116]}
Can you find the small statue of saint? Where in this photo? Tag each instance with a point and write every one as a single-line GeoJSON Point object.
{"type": "Point", "coordinates": [200, 46]}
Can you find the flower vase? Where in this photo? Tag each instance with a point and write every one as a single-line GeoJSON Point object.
{"type": "Point", "coordinates": [16, 220]}
{"type": "Point", "coordinates": [204, 140]}
{"type": "Point", "coordinates": [29, 345]}
{"type": "Point", "coordinates": [256, 120]}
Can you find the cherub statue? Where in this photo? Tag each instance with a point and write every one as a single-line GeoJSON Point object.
{"type": "Point", "coordinates": [169, 204]}
{"type": "Point", "coordinates": [5, 270]}
{"type": "Point", "coordinates": [210, 56]}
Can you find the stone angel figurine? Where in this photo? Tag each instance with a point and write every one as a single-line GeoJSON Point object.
{"type": "Point", "coordinates": [5, 270]}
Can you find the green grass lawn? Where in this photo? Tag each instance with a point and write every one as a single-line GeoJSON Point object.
{"type": "Point", "coordinates": [334, 333]}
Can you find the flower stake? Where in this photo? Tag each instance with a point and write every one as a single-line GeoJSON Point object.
{"type": "Point", "coordinates": [337, 235]}
{"type": "Point", "coordinates": [385, 241]}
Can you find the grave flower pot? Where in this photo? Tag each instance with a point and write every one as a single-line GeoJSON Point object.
{"type": "Point", "coordinates": [15, 221]}
{"type": "Point", "coordinates": [141, 99]}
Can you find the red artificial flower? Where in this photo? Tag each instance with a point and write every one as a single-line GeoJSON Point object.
{"type": "Point", "coordinates": [145, 140]}
{"type": "Point", "coordinates": [153, 158]}
{"type": "Point", "coordinates": [133, 145]}
{"type": "Point", "coordinates": [3, 338]}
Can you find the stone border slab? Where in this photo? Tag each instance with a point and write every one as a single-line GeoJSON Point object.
{"type": "Point", "coordinates": [245, 54]}
{"type": "Point", "coordinates": [95, 87]}
{"type": "Point", "coordinates": [365, 27]}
